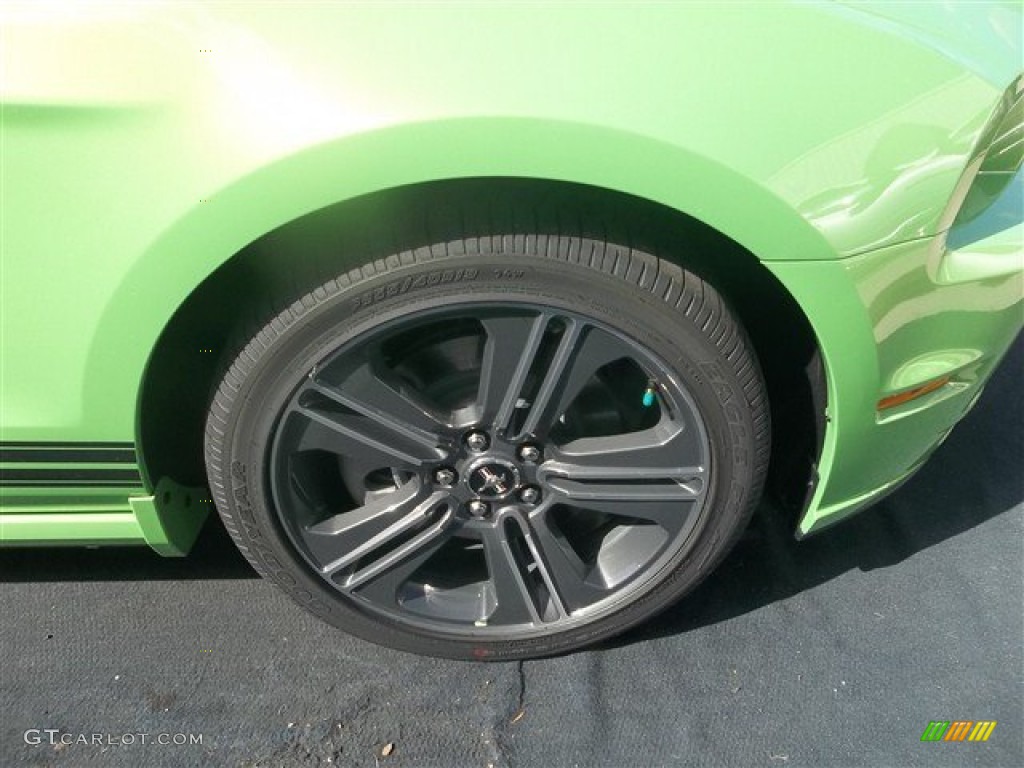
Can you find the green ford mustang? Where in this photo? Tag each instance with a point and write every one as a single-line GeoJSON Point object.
{"type": "Point", "coordinates": [485, 327]}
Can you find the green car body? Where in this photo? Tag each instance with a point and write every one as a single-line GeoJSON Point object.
{"type": "Point", "coordinates": [146, 149]}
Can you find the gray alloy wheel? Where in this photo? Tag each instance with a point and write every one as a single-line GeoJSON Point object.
{"type": "Point", "coordinates": [490, 455]}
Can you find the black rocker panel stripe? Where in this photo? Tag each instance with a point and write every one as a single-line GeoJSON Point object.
{"type": "Point", "coordinates": [72, 473]}
{"type": "Point", "coordinates": [69, 453]}
{"type": "Point", "coordinates": [72, 444]}
{"type": "Point", "coordinates": [80, 484]}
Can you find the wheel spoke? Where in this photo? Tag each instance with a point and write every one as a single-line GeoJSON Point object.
{"type": "Point", "coordinates": [356, 437]}
{"type": "Point", "coordinates": [562, 571]}
{"type": "Point", "coordinates": [581, 351]}
{"type": "Point", "coordinates": [343, 537]}
{"type": "Point", "coordinates": [514, 603]}
{"type": "Point", "coordinates": [382, 582]}
{"type": "Point", "coordinates": [383, 567]}
{"type": "Point", "coordinates": [366, 417]}
{"type": "Point", "coordinates": [512, 342]}
{"type": "Point", "coordinates": [341, 540]}
{"type": "Point", "coordinates": [374, 393]}
{"type": "Point", "coordinates": [536, 576]}
{"type": "Point", "coordinates": [670, 515]}
{"type": "Point", "coordinates": [620, 490]}
{"type": "Point", "coordinates": [667, 447]}
{"type": "Point", "coordinates": [649, 465]}
{"type": "Point", "coordinates": [641, 475]}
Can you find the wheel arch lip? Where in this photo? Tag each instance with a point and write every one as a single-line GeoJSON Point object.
{"type": "Point", "coordinates": [211, 233]}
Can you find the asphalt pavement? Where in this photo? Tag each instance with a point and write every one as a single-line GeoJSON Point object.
{"type": "Point", "coordinates": [835, 651]}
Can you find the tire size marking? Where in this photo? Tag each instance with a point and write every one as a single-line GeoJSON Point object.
{"type": "Point", "coordinates": [398, 287]}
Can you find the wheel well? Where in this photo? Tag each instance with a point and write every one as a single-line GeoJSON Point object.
{"type": "Point", "coordinates": [220, 315]}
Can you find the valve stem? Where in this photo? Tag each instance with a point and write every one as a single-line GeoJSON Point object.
{"type": "Point", "coordinates": [650, 393]}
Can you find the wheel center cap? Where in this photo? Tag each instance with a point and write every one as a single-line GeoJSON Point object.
{"type": "Point", "coordinates": [492, 479]}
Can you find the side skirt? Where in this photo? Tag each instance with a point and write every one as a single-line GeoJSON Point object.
{"type": "Point", "coordinates": [92, 494]}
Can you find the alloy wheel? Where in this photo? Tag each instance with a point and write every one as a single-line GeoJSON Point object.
{"type": "Point", "coordinates": [496, 468]}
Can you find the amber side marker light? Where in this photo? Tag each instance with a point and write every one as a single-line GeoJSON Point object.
{"type": "Point", "coordinates": [911, 394]}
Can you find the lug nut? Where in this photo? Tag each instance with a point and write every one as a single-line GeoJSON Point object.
{"type": "Point", "coordinates": [478, 508]}
{"type": "Point", "coordinates": [445, 476]}
{"type": "Point", "coordinates": [529, 495]}
{"type": "Point", "coordinates": [530, 453]}
{"type": "Point", "coordinates": [477, 442]}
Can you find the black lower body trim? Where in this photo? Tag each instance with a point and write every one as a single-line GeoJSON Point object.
{"type": "Point", "coordinates": [88, 464]}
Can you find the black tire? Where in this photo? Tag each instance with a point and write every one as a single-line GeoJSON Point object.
{"type": "Point", "coordinates": [283, 496]}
